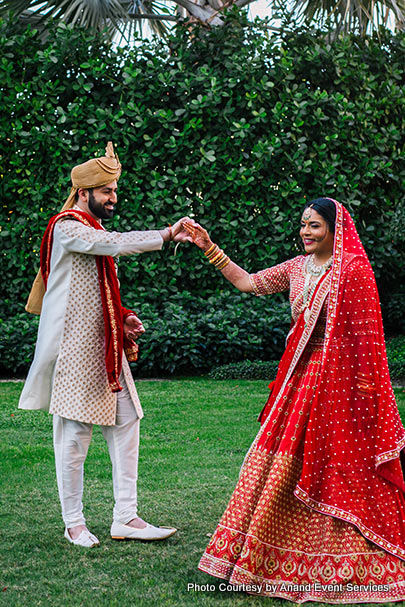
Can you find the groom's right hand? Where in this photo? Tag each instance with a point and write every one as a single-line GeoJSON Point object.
{"type": "Point", "coordinates": [179, 233]}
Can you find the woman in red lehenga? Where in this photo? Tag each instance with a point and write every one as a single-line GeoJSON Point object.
{"type": "Point", "coordinates": [318, 512]}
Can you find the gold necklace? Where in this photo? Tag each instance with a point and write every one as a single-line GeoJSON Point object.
{"type": "Point", "coordinates": [318, 270]}
{"type": "Point", "coordinates": [312, 270]}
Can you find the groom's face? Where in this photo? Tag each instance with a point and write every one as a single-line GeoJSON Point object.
{"type": "Point", "coordinates": [101, 201]}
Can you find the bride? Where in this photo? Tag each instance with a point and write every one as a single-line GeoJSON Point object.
{"type": "Point", "coordinates": [318, 512]}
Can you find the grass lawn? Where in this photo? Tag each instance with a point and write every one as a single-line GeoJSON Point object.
{"type": "Point", "coordinates": [193, 440]}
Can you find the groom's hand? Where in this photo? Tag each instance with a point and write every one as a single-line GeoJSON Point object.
{"type": "Point", "coordinates": [179, 233]}
{"type": "Point", "coordinates": [133, 327]}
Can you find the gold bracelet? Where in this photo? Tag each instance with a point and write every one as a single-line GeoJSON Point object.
{"type": "Point", "coordinates": [213, 253]}
{"type": "Point", "coordinates": [223, 263]}
{"type": "Point", "coordinates": [220, 261]}
{"type": "Point", "coordinates": [210, 250]}
{"type": "Point", "coordinates": [217, 257]}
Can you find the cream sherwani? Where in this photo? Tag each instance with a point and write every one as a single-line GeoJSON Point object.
{"type": "Point", "coordinates": [68, 375]}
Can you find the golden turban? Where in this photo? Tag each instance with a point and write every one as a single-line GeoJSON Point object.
{"type": "Point", "coordinates": [94, 173]}
{"type": "Point", "coordinates": [91, 174]}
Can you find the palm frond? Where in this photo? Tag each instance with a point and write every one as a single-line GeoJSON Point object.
{"type": "Point", "coordinates": [352, 15]}
{"type": "Point", "coordinates": [124, 17]}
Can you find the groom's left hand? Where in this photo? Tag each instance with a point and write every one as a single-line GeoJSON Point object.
{"type": "Point", "coordinates": [133, 327]}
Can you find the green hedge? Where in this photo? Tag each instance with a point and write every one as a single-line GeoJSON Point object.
{"type": "Point", "coordinates": [195, 336]}
{"type": "Point", "coordinates": [188, 336]}
{"type": "Point", "coordinates": [396, 357]}
{"type": "Point", "coordinates": [17, 343]}
{"type": "Point", "coordinates": [231, 126]}
{"type": "Point", "coordinates": [246, 369]}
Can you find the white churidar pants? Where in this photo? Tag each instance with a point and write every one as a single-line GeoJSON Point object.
{"type": "Point", "coordinates": [71, 443]}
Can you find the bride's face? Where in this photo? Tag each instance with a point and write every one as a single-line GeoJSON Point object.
{"type": "Point", "coordinates": [315, 233]}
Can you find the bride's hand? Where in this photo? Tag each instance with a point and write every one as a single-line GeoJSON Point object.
{"type": "Point", "coordinates": [198, 234]}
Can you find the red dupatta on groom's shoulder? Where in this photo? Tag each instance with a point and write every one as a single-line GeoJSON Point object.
{"type": "Point", "coordinates": [113, 312]}
{"type": "Point", "coordinates": [354, 436]}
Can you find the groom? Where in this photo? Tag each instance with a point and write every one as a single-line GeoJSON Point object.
{"type": "Point", "coordinates": [80, 371]}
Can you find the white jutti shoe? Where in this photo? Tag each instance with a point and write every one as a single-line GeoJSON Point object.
{"type": "Point", "coordinates": [119, 531]}
{"type": "Point", "coordinates": [85, 539]}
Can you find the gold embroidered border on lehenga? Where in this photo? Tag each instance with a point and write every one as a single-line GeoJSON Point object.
{"type": "Point", "coordinates": [270, 539]}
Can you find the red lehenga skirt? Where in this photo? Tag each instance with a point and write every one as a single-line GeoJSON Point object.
{"type": "Point", "coordinates": [269, 543]}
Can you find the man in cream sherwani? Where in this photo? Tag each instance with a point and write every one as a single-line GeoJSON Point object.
{"type": "Point", "coordinates": [69, 376]}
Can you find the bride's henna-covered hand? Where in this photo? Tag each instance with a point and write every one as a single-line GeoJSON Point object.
{"type": "Point", "coordinates": [198, 234]}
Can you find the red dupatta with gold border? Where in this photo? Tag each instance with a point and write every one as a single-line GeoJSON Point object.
{"type": "Point", "coordinates": [354, 436]}
{"type": "Point", "coordinates": [113, 312]}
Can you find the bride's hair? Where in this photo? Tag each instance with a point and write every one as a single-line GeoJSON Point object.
{"type": "Point", "coordinates": [326, 208]}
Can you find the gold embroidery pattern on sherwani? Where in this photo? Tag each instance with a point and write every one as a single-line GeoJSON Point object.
{"type": "Point", "coordinates": [80, 387]}
{"type": "Point", "coordinates": [82, 395]}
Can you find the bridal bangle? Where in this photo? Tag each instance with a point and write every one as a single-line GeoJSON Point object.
{"type": "Point", "coordinates": [217, 257]}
